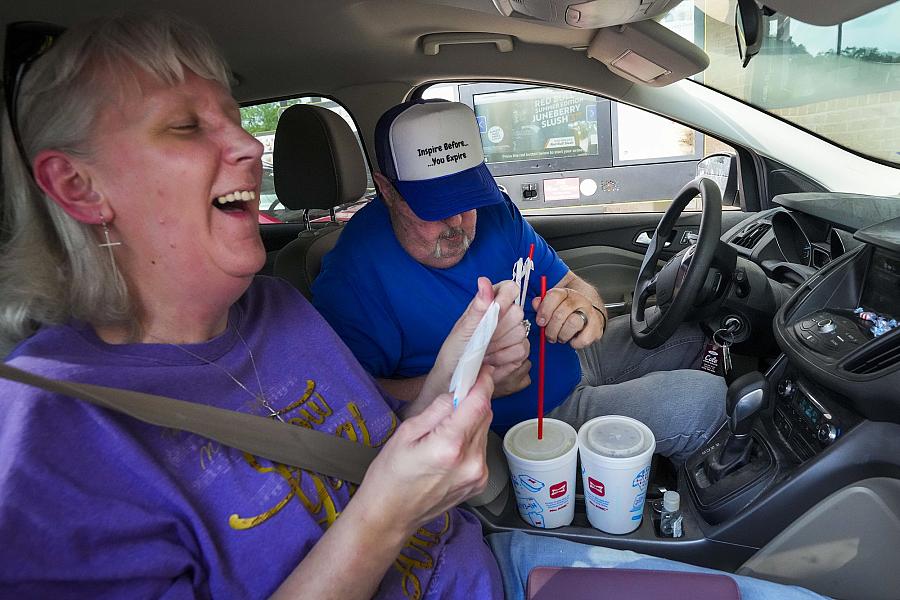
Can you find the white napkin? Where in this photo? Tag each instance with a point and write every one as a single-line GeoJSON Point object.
{"type": "Point", "coordinates": [470, 362]}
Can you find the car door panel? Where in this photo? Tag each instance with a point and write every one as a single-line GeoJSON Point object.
{"type": "Point", "coordinates": [604, 249]}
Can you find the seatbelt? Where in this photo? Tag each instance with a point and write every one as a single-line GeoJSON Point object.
{"type": "Point", "coordinates": [260, 436]}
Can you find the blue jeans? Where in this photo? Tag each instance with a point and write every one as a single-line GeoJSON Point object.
{"type": "Point", "coordinates": [683, 407]}
{"type": "Point", "coordinates": [517, 553]}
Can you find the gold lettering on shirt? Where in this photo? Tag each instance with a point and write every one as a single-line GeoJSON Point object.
{"type": "Point", "coordinates": [311, 406]}
{"type": "Point", "coordinates": [313, 409]}
{"type": "Point", "coordinates": [322, 506]}
{"type": "Point", "coordinates": [207, 451]}
{"type": "Point", "coordinates": [348, 431]}
{"type": "Point", "coordinates": [414, 555]}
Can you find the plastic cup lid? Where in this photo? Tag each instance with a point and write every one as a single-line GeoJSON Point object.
{"type": "Point", "coordinates": [557, 440]}
{"type": "Point", "coordinates": [616, 437]}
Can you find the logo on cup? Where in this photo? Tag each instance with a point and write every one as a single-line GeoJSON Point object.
{"type": "Point", "coordinates": [596, 486]}
{"type": "Point", "coordinates": [558, 489]}
{"type": "Point", "coordinates": [640, 480]}
{"type": "Point", "coordinates": [530, 483]}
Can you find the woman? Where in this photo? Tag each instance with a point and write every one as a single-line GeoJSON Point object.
{"type": "Point", "coordinates": [130, 263]}
{"type": "Point", "coordinates": [134, 140]}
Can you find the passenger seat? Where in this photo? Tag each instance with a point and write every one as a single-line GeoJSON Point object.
{"type": "Point", "coordinates": [318, 164]}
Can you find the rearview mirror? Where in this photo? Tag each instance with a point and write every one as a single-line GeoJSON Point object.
{"type": "Point", "coordinates": [721, 168]}
{"type": "Point", "coordinates": [748, 28]}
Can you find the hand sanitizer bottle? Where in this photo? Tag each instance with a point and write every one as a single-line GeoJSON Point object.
{"type": "Point", "coordinates": [671, 519]}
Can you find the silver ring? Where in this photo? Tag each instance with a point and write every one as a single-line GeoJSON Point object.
{"type": "Point", "coordinates": [583, 316]}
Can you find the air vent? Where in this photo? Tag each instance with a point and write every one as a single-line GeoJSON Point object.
{"type": "Point", "coordinates": [881, 357]}
{"type": "Point", "coordinates": [751, 234]}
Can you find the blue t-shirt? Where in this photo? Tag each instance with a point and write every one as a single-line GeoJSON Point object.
{"type": "Point", "coordinates": [95, 504]}
{"type": "Point", "coordinates": [394, 312]}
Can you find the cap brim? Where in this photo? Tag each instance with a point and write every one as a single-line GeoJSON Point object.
{"type": "Point", "coordinates": [442, 197]}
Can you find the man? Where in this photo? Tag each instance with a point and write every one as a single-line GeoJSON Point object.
{"type": "Point", "coordinates": [407, 265]}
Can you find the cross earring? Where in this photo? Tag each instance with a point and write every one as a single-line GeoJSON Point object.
{"type": "Point", "coordinates": [108, 244]}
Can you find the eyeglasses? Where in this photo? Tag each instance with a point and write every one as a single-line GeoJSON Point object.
{"type": "Point", "coordinates": [26, 41]}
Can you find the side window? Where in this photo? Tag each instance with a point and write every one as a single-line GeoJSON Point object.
{"type": "Point", "coordinates": [261, 121]}
{"type": "Point", "coordinates": [551, 148]}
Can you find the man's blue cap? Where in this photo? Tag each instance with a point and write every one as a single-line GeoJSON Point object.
{"type": "Point", "coordinates": [431, 151]}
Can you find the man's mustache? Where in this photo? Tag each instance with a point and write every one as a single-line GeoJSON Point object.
{"type": "Point", "coordinates": [450, 233]}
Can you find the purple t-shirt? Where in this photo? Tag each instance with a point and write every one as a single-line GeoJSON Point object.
{"type": "Point", "coordinates": [97, 504]}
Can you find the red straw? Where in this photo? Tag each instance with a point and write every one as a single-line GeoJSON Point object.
{"type": "Point", "coordinates": [541, 365]}
{"type": "Point", "coordinates": [531, 252]}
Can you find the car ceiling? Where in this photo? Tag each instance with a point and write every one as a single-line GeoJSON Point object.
{"type": "Point", "coordinates": [285, 47]}
{"type": "Point", "coordinates": [368, 53]}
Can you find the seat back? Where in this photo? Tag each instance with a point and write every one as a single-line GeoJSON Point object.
{"type": "Point", "coordinates": [317, 164]}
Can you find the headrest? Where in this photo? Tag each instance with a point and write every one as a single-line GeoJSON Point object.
{"type": "Point", "coordinates": [316, 159]}
{"type": "Point", "coordinates": [431, 151]}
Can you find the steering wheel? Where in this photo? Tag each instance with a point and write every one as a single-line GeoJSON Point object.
{"type": "Point", "coordinates": [679, 283]}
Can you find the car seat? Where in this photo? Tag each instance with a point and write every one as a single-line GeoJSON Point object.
{"type": "Point", "coordinates": [318, 164]}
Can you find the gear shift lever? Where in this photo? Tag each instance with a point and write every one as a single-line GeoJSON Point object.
{"type": "Point", "coordinates": [743, 401]}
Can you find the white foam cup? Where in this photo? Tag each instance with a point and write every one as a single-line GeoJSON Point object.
{"type": "Point", "coordinates": [543, 471]}
{"type": "Point", "coordinates": [615, 469]}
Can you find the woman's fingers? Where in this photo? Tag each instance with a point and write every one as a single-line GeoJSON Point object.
{"type": "Point", "coordinates": [436, 459]}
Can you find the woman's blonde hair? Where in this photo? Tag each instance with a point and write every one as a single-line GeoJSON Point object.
{"type": "Point", "coordinates": [51, 268]}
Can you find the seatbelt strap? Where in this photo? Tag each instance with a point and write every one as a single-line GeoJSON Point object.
{"type": "Point", "coordinates": [267, 438]}
{"type": "Point", "coordinates": [287, 444]}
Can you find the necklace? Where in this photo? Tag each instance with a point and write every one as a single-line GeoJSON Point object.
{"type": "Point", "coordinates": [260, 397]}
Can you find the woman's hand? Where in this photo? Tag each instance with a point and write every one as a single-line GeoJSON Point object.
{"type": "Point", "coordinates": [433, 461]}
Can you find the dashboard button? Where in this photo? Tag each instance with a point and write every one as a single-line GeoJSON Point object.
{"type": "Point", "coordinates": [826, 326]}
{"type": "Point", "coordinates": [827, 433]}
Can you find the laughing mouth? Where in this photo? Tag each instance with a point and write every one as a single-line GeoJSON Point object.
{"type": "Point", "coordinates": [235, 201]}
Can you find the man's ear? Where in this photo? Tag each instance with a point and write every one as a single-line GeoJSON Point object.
{"type": "Point", "coordinates": [386, 189]}
{"type": "Point", "coordinates": [64, 180]}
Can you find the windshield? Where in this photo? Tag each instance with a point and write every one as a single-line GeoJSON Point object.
{"type": "Point", "coordinates": [840, 82]}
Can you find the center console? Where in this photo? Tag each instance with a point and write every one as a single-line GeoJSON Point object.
{"type": "Point", "coordinates": [805, 418]}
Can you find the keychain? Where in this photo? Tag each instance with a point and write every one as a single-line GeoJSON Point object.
{"type": "Point", "coordinates": [716, 357]}
{"type": "Point", "coordinates": [724, 341]}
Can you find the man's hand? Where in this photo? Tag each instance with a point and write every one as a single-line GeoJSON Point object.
{"type": "Point", "coordinates": [562, 309]}
{"type": "Point", "coordinates": [518, 378]}
{"type": "Point", "coordinates": [509, 347]}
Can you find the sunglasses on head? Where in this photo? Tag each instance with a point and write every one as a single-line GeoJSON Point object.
{"type": "Point", "coordinates": [26, 41]}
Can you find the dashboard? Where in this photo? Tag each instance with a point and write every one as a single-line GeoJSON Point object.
{"type": "Point", "coordinates": [839, 254]}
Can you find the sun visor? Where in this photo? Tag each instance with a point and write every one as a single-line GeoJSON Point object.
{"type": "Point", "coordinates": [647, 52]}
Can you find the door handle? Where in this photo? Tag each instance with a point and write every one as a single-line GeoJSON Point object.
{"type": "Point", "coordinates": [643, 239]}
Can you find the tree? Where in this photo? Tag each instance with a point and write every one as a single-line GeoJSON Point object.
{"type": "Point", "coordinates": [261, 118]}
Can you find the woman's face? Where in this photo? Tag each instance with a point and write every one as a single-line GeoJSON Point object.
{"type": "Point", "coordinates": [166, 158]}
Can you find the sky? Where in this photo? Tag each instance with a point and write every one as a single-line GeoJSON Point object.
{"type": "Point", "coordinates": [880, 29]}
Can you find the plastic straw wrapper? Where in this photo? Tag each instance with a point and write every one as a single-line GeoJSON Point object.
{"type": "Point", "coordinates": [470, 362]}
